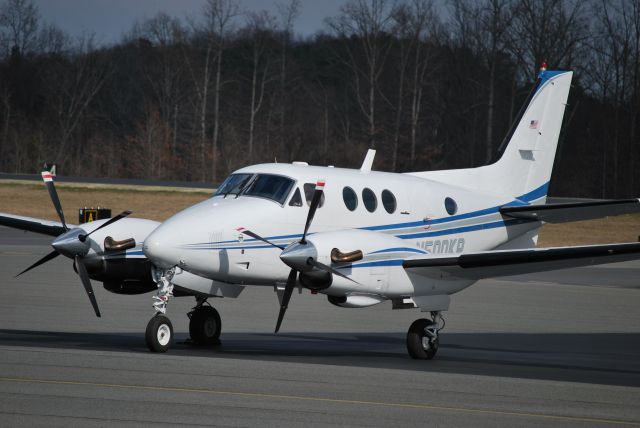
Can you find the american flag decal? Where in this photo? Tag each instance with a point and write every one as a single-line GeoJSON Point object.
{"type": "Point", "coordinates": [533, 124]}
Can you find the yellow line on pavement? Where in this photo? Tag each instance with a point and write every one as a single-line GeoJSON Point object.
{"type": "Point", "coordinates": [325, 400]}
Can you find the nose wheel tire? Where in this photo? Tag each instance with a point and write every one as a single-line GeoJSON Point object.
{"type": "Point", "coordinates": [205, 326]}
{"type": "Point", "coordinates": [422, 339]}
{"type": "Point", "coordinates": [159, 334]}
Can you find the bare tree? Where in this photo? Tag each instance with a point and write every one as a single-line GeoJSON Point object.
{"type": "Point", "coordinates": [259, 29]}
{"type": "Point", "coordinates": [77, 82]}
{"type": "Point", "coordinates": [424, 24]}
{"type": "Point", "coordinates": [548, 30]}
{"type": "Point", "coordinates": [213, 33]}
{"type": "Point", "coordinates": [52, 40]}
{"type": "Point", "coordinates": [164, 70]}
{"type": "Point", "coordinates": [613, 69]}
{"type": "Point", "coordinates": [369, 21]}
{"type": "Point", "coordinates": [19, 22]}
{"type": "Point", "coordinates": [288, 12]}
{"type": "Point", "coordinates": [484, 27]}
{"type": "Point", "coordinates": [411, 23]}
{"type": "Point", "coordinates": [219, 16]}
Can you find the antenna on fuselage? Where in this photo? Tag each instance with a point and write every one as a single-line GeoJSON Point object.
{"type": "Point", "coordinates": [368, 161]}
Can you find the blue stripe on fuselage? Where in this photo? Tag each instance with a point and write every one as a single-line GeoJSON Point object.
{"type": "Point", "coordinates": [521, 200]}
{"type": "Point", "coordinates": [400, 249]}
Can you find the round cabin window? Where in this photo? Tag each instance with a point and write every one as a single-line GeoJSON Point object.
{"type": "Point", "coordinates": [451, 206]}
{"type": "Point", "coordinates": [388, 201]}
{"type": "Point", "coordinates": [350, 198]}
{"type": "Point", "coordinates": [369, 200]}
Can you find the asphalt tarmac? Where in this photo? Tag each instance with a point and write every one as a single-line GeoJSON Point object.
{"type": "Point", "coordinates": [537, 350]}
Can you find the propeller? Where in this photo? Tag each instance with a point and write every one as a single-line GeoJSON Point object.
{"type": "Point", "coordinates": [47, 176]}
{"type": "Point", "coordinates": [288, 291]}
{"type": "Point", "coordinates": [72, 243]}
{"type": "Point", "coordinates": [50, 256]}
{"type": "Point", "coordinates": [297, 255]}
{"type": "Point", "coordinates": [112, 220]}
{"type": "Point", "coordinates": [86, 282]}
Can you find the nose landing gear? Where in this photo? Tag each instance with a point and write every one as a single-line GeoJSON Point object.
{"type": "Point", "coordinates": [422, 337]}
{"type": "Point", "coordinates": [204, 320]}
{"type": "Point", "coordinates": [159, 331]}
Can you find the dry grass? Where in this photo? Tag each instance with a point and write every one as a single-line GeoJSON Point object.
{"type": "Point", "coordinates": [33, 200]}
{"type": "Point", "coordinates": [625, 228]}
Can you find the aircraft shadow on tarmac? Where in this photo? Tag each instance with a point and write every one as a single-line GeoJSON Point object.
{"type": "Point", "coordinates": [602, 358]}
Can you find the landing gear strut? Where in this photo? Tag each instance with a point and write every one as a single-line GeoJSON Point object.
{"type": "Point", "coordinates": [159, 331]}
{"type": "Point", "coordinates": [422, 337]}
{"type": "Point", "coordinates": [204, 323]}
{"type": "Point", "coordinates": [204, 320]}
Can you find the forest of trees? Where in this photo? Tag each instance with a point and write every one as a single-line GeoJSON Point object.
{"type": "Point", "coordinates": [429, 84]}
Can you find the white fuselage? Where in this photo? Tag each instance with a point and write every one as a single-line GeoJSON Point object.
{"type": "Point", "coordinates": [204, 239]}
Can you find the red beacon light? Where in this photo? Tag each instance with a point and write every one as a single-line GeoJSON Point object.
{"type": "Point", "coordinates": [543, 67]}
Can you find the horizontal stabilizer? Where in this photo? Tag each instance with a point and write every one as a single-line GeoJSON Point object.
{"type": "Point", "coordinates": [489, 264]}
{"type": "Point", "coordinates": [46, 227]}
{"type": "Point", "coordinates": [573, 211]}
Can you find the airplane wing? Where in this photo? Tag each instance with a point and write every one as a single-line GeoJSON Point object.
{"type": "Point", "coordinates": [573, 211]}
{"type": "Point", "coordinates": [489, 264]}
{"type": "Point", "coordinates": [46, 227]}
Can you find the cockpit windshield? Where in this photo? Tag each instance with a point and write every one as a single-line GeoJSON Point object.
{"type": "Point", "coordinates": [274, 187]}
{"type": "Point", "coordinates": [233, 184]}
{"type": "Point", "coordinates": [269, 186]}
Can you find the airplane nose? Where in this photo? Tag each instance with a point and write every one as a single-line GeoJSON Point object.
{"type": "Point", "coordinates": [158, 248]}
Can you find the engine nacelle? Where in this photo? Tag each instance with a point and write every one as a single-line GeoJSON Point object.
{"type": "Point", "coordinates": [355, 300]}
{"type": "Point", "coordinates": [122, 276]}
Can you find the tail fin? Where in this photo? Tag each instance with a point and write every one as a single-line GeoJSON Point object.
{"type": "Point", "coordinates": [524, 169]}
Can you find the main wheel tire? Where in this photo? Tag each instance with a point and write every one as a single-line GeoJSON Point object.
{"type": "Point", "coordinates": [205, 325]}
{"type": "Point", "coordinates": [416, 338]}
{"type": "Point", "coordinates": [159, 334]}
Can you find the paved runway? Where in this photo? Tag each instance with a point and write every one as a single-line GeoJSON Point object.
{"type": "Point", "coordinates": [526, 351]}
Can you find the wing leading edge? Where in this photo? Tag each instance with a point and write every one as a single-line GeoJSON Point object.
{"type": "Point", "coordinates": [46, 227]}
{"type": "Point", "coordinates": [490, 264]}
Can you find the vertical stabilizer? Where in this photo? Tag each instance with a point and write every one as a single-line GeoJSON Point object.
{"type": "Point", "coordinates": [524, 169]}
{"type": "Point", "coordinates": [526, 164]}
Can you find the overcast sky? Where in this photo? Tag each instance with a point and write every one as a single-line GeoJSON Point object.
{"type": "Point", "coordinates": [108, 19]}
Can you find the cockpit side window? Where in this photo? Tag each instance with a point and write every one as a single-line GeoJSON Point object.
{"type": "Point", "coordinates": [233, 184]}
{"type": "Point", "coordinates": [274, 187]}
{"type": "Point", "coordinates": [309, 190]}
{"type": "Point", "coordinates": [296, 199]}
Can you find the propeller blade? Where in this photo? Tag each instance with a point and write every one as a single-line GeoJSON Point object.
{"type": "Point", "coordinates": [258, 237]}
{"type": "Point", "coordinates": [50, 256]}
{"type": "Point", "coordinates": [315, 201]}
{"type": "Point", "coordinates": [86, 282]}
{"type": "Point", "coordinates": [112, 220]}
{"type": "Point", "coordinates": [48, 181]}
{"type": "Point", "coordinates": [288, 290]}
{"type": "Point", "coordinates": [326, 268]}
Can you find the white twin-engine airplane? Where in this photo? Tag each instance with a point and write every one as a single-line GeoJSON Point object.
{"type": "Point", "coordinates": [366, 237]}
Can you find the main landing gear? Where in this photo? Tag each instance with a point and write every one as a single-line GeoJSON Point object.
{"type": "Point", "coordinates": [204, 320]}
{"type": "Point", "coordinates": [422, 337]}
{"type": "Point", "coordinates": [204, 324]}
